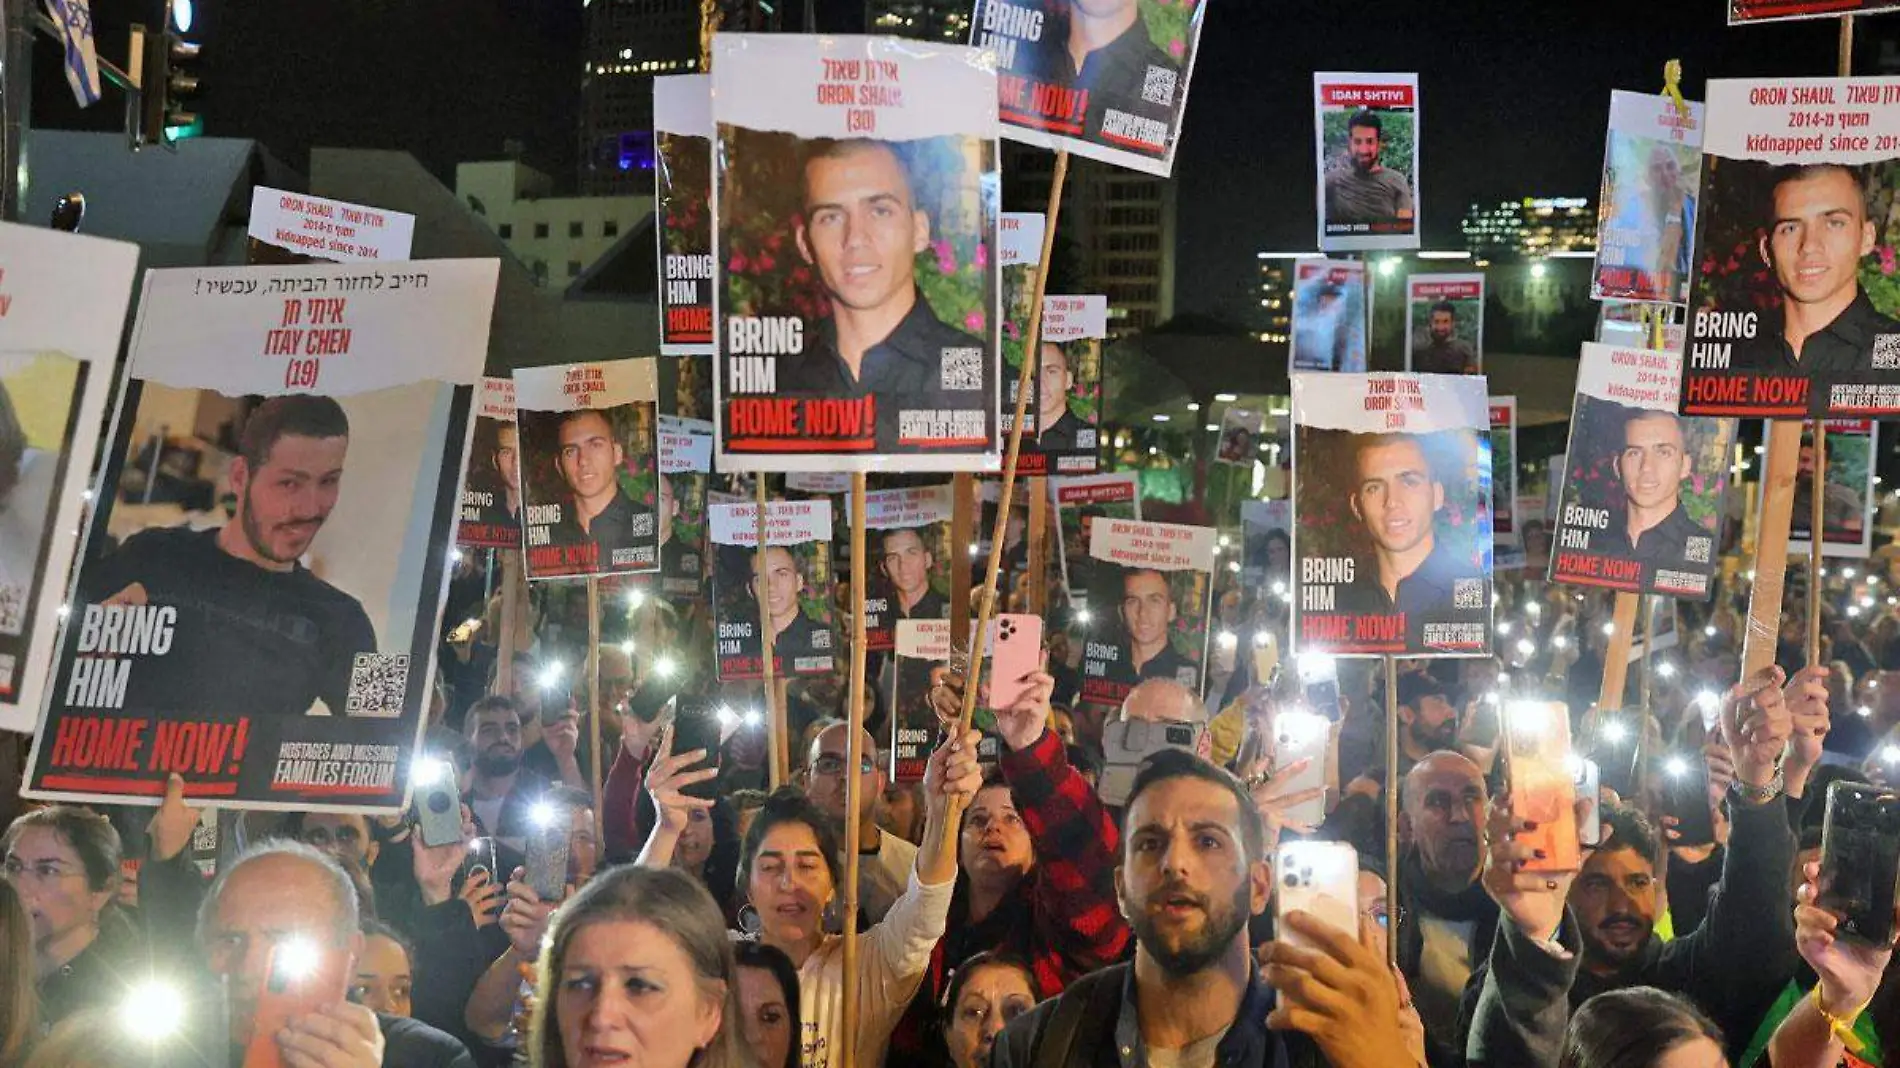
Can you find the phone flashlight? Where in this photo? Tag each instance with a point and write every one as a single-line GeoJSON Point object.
{"type": "Point", "coordinates": [1676, 767]}
{"type": "Point", "coordinates": [636, 598]}
{"type": "Point", "coordinates": [1228, 639]}
{"type": "Point", "coordinates": [1262, 639]}
{"type": "Point", "coordinates": [728, 719]}
{"type": "Point", "coordinates": [428, 771]}
{"type": "Point", "coordinates": [1890, 754]}
{"type": "Point", "coordinates": [626, 647]}
{"type": "Point", "coordinates": [753, 718]}
{"type": "Point", "coordinates": [1082, 616]}
{"type": "Point", "coordinates": [1527, 719]}
{"type": "Point", "coordinates": [663, 666]}
{"type": "Point", "coordinates": [543, 814]}
{"type": "Point", "coordinates": [1614, 732]}
{"type": "Point", "coordinates": [294, 959]}
{"type": "Point", "coordinates": [551, 674]}
{"type": "Point", "coordinates": [152, 1010]}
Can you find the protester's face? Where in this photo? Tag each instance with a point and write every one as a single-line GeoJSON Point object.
{"type": "Point", "coordinates": [782, 583]}
{"type": "Point", "coordinates": [906, 562]}
{"type": "Point", "coordinates": [590, 457]}
{"type": "Point", "coordinates": [1442, 326]}
{"type": "Point", "coordinates": [497, 737]}
{"type": "Point", "coordinates": [383, 979]}
{"type": "Point", "coordinates": [627, 994]}
{"type": "Point", "coordinates": [285, 501]}
{"type": "Point", "coordinates": [1653, 462]}
{"type": "Point", "coordinates": [1396, 496]}
{"type": "Point", "coordinates": [1053, 379]}
{"type": "Point", "coordinates": [48, 875]}
{"type": "Point", "coordinates": [1615, 902]}
{"type": "Point", "coordinates": [508, 455]}
{"type": "Point", "coordinates": [1444, 813]}
{"type": "Point", "coordinates": [1818, 235]}
{"type": "Point", "coordinates": [768, 1019]}
{"type": "Point", "coordinates": [1186, 883]}
{"type": "Point", "coordinates": [994, 840]}
{"type": "Point", "coordinates": [1146, 609]}
{"type": "Point", "coordinates": [830, 756]}
{"type": "Point", "coordinates": [696, 841]}
{"type": "Point", "coordinates": [789, 883]}
{"type": "Point", "coordinates": [991, 997]}
{"type": "Point", "coordinates": [861, 229]}
{"type": "Point", "coordinates": [1434, 722]}
{"type": "Point", "coordinates": [266, 902]}
{"type": "Point", "coordinates": [343, 835]}
{"type": "Point", "coordinates": [1363, 143]}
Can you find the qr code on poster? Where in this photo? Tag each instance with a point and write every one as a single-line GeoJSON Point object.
{"type": "Point", "coordinates": [643, 525]}
{"type": "Point", "coordinates": [1467, 593]}
{"type": "Point", "coordinates": [1158, 86]}
{"type": "Point", "coordinates": [12, 609]}
{"type": "Point", "coordinates": [378, 682]}
{"type": "Point", "coordinates": [1696, 550]}
{"type": "Point", "coordinates": [1886, 351]}
{"type": "Point", "coordinates": [963, 368]}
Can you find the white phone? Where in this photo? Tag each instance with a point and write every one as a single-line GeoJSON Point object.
{"type": "Point", "coordinates": [1589, 823]}
{"type": "Point", "coordinates": [1298, 735]}
{"type": "Point", "coordinates": [1320, 878]}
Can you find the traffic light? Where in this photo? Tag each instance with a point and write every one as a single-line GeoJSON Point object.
{"type": "Point", "coordinates": [169, 78]}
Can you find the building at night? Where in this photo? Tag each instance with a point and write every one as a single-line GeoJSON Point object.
{"type": "Point", "coordinates": [1530, 228]}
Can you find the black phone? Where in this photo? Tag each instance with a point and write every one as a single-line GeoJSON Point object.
{"type": "Point", "coordinates": [695, 725]}
{"type": "Point", "coordinates": [1860, 859]}
{"type": "Point", "coordinates": [1684, 781]}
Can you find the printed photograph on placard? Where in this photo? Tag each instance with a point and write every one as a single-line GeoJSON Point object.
{"type": "Point", "coordinates": [922, 662]}
{"type": "Point", "coordinates": [1847, 494]}
{"type": "Point", "coordinates": [682, 216]}
{"type": "Point", "coordinates": [1392, 526]}
{"type": "Point", "coordinates": [1329, 315]}
{"type": "Point", "coordinates": [907, 534]}
{"type": "Point", "coordinates": [1266, 545]}
{"type": "Point", "coordinates": [685, 469]}
{"type": "Point", "coordinates": [590, 467]}
{"type": "Point", "coordinates": [1794, 309]}
{"type": "Point", "coordinates": [1019, 248]}
{"type": "Point", "coordinates": [1646, 212]}
{"type": "Point", "coordinates": [1068, 397]}
{"type": "Point", "coordinates": [1640, 505]}
{"type": "Point", "coordinates": [259, 596]}
{"type": "Point", "coordinates": [1366, 140]}
{"type": "Point", "coordinates": [1445, 324]}
{"type": "Point", "coordinates": [56, 360]}
{"type": "Point", "coordinates": [1079, 502]}
{"type": "Point", "coordinates": [1628, 325]}
{"type": "Point", "coordinates": [491, 491]}
{"type": "Point", "coordinates": [1106, 79]}
{"type": "Point", "coordinates": [856, 199]}
{"type": "Point", "coordinates": [1150, 590]}
{"type": "Point", "coordinates": [797, 579]}
{"type": "Point", "coordinates": [1746, 11]}
{"type": "Point", "coordinates": [1240, 430]}
{"type": "Point", "coordinates": [1506, 536]}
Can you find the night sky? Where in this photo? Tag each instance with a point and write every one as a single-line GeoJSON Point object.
{"type": "Point", "coordinates": [1514, 95]}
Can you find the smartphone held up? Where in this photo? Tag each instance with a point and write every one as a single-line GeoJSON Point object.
{"type": "Point", "coordinates": [1543, 783]}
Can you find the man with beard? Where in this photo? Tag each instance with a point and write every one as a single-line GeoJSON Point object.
{"type": "Point", "coordinates": [1428, 717]}
{"type": "Point", "coordinates": [598, 512]}
{"type": "Point", "coordinates": [1443, 352]}
{"type": "Point", "coordinates": [1194, 867]}
{"type": "Point", "coordinates": [1365, 192]}
{"type": "Point", "coordinates": [1448, 921]}
{"type": "Point", "coordinates": [1396, 497]}
{"type": "Point", "coordinates": [1652, 465]}
{"type": "Point", "coordinates": [256, 631]}
{"type": "Point", "coordinates": [502, 793]}
{"type": "Point", "coordinates": [1842, 510]}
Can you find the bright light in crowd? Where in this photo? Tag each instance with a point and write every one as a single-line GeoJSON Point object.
{"type": "Point", "coordinates": [1504, 628]}
{"type": "Point", "coordinates": [1847, 572]}
{"type": "Point", "coordinates": [1751, 575]}
{"type": "Point", "coordinates": [455, 556]}
{"type": "Point", "coordinates": [295, 958]}
{"type": "Point", "coordinates": [1387, 266]}
{"type": "Point", "coordinates": [1082, 616]}
{"type": "Point", "coordinates": [427, 771]}
{"type": "Point", "coordinates": [1225, 541]}
{"type": "Point", "coordinates": [1227, 398]}
{"type": "Point", "coordinates": [753, 718]}
{"type": "Point", "coordinates": [1491, 697]}
{"type": "Point", "coordinates": [542, 814]}
{"type": "Point", "coordinates": [1233, 565]}
{"type": "Point", "coordinates": [1890, 754]}
{"type": "Point", "coordinates": [1609, 629]}
{"type": "Point", "coordinates": [626, 647]}
{"type": "Point", "coordinates": [1534, 609]}
{"type": "Point", "coordinates": [1162, 417]}
{"type": "Point", "coordinates": [636, 598]}
{"type": "Point", "coordinates": [1676, 767]}
{"type": "Point", "coordinates": [1279, 589]}
{"type": "Point", "coordinates": [1614, 732]}
{"type": "Point", "coordinates": [152, 1010]}
{"type": "Point", "coordinates": [1538, 270]}
{"type": "Point", "coordinates": [728, 719]}
{"type": "Point", "coordinates": [63, 609]}
{"type": "Point", "coordinates": [664, 666]}
{"type": "Point", "coordinates": [1228, 639]}
{"type": "Point", "coordinates": [1709, 630]}
{"type": "Point", "coordinates": [1526, 647]}
{"type": "Point", "coordinates": [1262, 638]}
{"type": "Point", "coordinates": [1864, 711]}
{"type": "Point", "coordinates": [1709, 699]}
{"type": "Point", "coordinates": [551, 674]}
{"type": "Point", "coordinates": [1559, 642]}
{"type": "Point", "coordinates": [1666, 669]}
{"type": "Point", "coordinates": [1853, 610]}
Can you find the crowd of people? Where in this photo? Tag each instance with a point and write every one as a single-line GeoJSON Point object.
{"type": "Point", "coordinates": [1005, 913]}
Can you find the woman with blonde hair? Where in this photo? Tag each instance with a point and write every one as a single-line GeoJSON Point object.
{"type": "Point", "coordinates": [19, 997]}
{"type": "Point", "coordinates": [638, 970]}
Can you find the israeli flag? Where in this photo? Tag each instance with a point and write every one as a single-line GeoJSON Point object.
{"type": "Point", "coordinates": [74, 19]}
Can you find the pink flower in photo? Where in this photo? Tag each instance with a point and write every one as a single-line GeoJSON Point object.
{"type": "Point", "coordinates": [1887, 264]}
{"type": "Point", "coordinates": [973, 322]}
{"type": "Point", "coordinates": [1177, 48]}
{"type": "Point", "coordinates": [982, 256]}
{"type": "Point", "coordinates": [765, 263]}
{"type": "Point", "coordinates": [738, 264]}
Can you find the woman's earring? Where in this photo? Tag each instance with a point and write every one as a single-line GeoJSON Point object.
{"type": "Point", "coordinates": [749, 921]}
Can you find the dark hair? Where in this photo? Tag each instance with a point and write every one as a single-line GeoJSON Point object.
{"type": "Point", "coordinates": [1447, 307]}
{"type": "Point", "coordinates": [1632, 1028]}
{"type": "Point", "coordinates": [1630, 829]}
{"type": "Point", "coordinates": [304, 415]}
{"type": "Point", "coordinates": [12, 444]}
{"type": "Point", "coordinates": [1368, 119]}
{"type": "Point", "coordinates": [377, 929]}
{"type": "Point", "coordinates": [745, 800]}
{"type": "Point", "coordinates": [772, 959]}
{"type": "Point", "coordinates": [821, 148]}
{"type": "Point", "coordinates": [90, 835]}
{"type": "Point", "coordinates": [488, 704]}
{"type": "Point", "coordinates": [977, 962]}
{"type": "Point", "coordinates": [577, 414]}
{"type": "Point", "coordinates": [1801, 172]}
{"type": "Point", "coordinates": [788, 804]}
{"type": "Point", "coordinates": [1172, 764]}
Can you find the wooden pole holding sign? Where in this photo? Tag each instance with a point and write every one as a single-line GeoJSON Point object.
{"type": "Point", "coordinates": [511, 583]}
{"type": "Point", "coordinates": [775, 726]}
{"type": "Point", "coordinates": [1391, 804]}
{"type": "Point", "coordinates": [1816, 498]}
{"type": "Point", "coordinates": [1616, 658]}
{"type": "Point", "coordinates": [962, 533]}
{"type": "Point", "coordinates": [593, 699]}
{"type": "Point", "coordinates": [853, 782]}
{"type": "Point", "coordinates": [986, 601]}
{"type": "Point", "coordinates": [1038, 545]}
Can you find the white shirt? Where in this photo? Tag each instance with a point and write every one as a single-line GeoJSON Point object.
{"type": "Point", "coordinates": [892, 958]}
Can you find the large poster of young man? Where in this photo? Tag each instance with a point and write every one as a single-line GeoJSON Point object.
{"type": "Point", "coordinates": [1019, 252]}
{"type": "Point", "coordinates": [1847, 495]}
{"type": "Point", "coordinates": [1366, 140]}
{"type": "Point", "coordinates": [1106, 79]}
{"type": "Point", "coordinates": [55, 370]}
{"type": "Point", "coordinates": [685, 470]}
{"type": "Point", "coordinates": [1646, 213]}
{"type": "Point", "coordinates": [1794, 302]}
{"type": "Point", "coordinates": [590, 469]}
{"type": "Point", "coordinates": [1150, 590]}
{"type": "Point", "coordinates": [796, 572]}
{"type": "Point", "coordinates": [907, 533]}
{"type": "Point", "coordinates": [1329, 315]}
{"type": "Point", "coordinates": [1391, 505]}
{"type": "Point", "coordinates": [855, 197]}
{"type": "Point", "coordinates": [682, 212]}
{"type": "Point", "coordinates": [1068, 389]}
{"type": "Point", "coordinates": [1079, 503]}
{"type": "Point", "coordinates": [260, 591]}
{"type": "Point", "coordinates": [491, 491]}
{"type": "Point", "coordinates": [1445, 324]}
{"type": "Point", "coordinates": [1640, 505]}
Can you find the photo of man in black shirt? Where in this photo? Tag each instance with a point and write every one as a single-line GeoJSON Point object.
{"type": "Point", "coordinates": [1057, 428]}
{"type": "Point", "coordinates": [795, 635]}
{"type": "Point", "coordinates": [597, 510]}
{"type": "Point", "coordinates": [256, 631]}
{"type": "Point", "coordinates": [1103, 48]}
{"type": "Point", "coordinates": [906, 563]}
{"type": "Point", "coordinates": [1396, 497]}
{"type": "Point", "coordinates": [1147, 612]}
{"type": "Point", "coordinates": [1652, 465]}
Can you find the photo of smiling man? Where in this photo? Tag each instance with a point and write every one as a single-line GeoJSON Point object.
{"type": "Point", "coordinates": [1157, 578]}
{"type": "Point", "coordinates": [909, 536]}
{"type": "Point", "coordinates": [793, 577]}
{"type": "Point", "coordinates": [590, 462]}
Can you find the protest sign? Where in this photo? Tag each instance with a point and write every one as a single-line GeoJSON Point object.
{"type": "Point", "coordinates": [300, 228]}
{"type": "Point", "coordinates": [1068, 388]}
{"type": "Point", "coordinates": [590, 467]}
{"type": "Point", "coordinates": [1646, 213]}
{"type": "Point", "coordinates": [923, 661]}
{"type": "Point", "coordinates": [1079, 503]}
{"type": "Point", "coordinates": [1445, 324]}
{"type": "Point", "coordinates": [1741, 12]}
{"type": "Point", "coordinates": [279, 654]}
{"type": "Point", "coordinates": [1847, 501]}
{"type": "Point", "coordinates": [1366, 142]}
{"type": "Point", "coordinates": [1628, 325]}
{"type": "Point", "coordinates": [1266, 545]}
{"type": "Point", "coordinates": [1109, 83]}
{"type": "Point", "coordinates": [1391, 508]}
{"type": "Point", "coordinates": [1507, 543]}
{"type": "Point", "coordinates": [682, 211]}
{"type": "Point", "coordinates": [685, 463]}
{"type": "Point", "coordinates": [1640, 506]}
{"type": "Point", "coordinates": [1793, 304]}
{"type": "Point", "coordinates": [1151, 586]}
{"type": "Point", "coordinates": [854, 200]}
{"type": "Point", "coordinates": [1240, 430]}
{"type": "Point", "coordinates": [798, 577]}
{"type": "Point", "coordinates": [908, 537]}
{"type": "Point", "coordinates": [491, 490]}
{"type": "Point", "coordinates": [1019, 251]}
{"type": "Point", "coordinates": [1329, 315]}
{"type": "Point", "coordinates": [56, 356]}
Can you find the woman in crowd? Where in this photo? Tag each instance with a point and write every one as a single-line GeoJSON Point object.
{"type": "Point", "coordinates": [768, 995]}
{"type": "Point", "coordinates": [19, 1003]}
{"type": "Point", "coordinates": [63, 861]}
{"type": "Point", "coordinates": [791, 871]}
{"type": "Point", "coordinates": [985, 994]}
{"type": "Point", "coordinates": [638, 970]}
{"type": "Point", "coordinates": [385, 976]}
{"type": "Point", "coordinates": [1642, 1027]}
